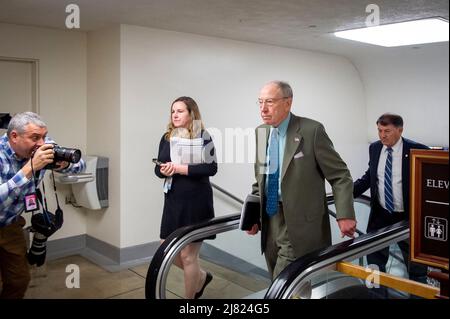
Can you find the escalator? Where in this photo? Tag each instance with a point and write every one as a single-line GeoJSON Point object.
{"type": "Point", "coordinates": [312, 276]}
{"type": "Point", "coordinates": [315, 275]}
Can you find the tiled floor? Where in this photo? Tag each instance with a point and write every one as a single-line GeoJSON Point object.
{"type": "Point", "coordinates": [49, 281]}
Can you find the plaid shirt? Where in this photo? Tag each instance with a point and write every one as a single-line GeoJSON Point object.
{"type": "Point", "coordinates": [14, 185]}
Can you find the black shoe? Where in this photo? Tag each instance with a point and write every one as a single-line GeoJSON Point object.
{"type": "Point", "coordinates": [208, 279]}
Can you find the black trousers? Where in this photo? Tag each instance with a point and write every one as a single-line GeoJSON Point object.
{"type": "Point", "coordinates": [380, 218]}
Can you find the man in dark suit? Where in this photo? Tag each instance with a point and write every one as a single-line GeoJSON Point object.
{"type": "Point", "coordinates": [388, 180]}
{"type": "Point", "coordinates": [294, 157]}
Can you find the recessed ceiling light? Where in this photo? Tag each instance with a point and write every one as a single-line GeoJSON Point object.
{"type": "Point", "coordinates": [398, 34]}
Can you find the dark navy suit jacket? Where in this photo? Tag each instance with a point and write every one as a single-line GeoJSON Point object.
{"type": "Point", "coordinates": [370, 178]}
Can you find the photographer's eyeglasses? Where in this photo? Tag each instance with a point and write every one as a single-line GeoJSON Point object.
{"type": "Point", "coordinates": [269, 102]}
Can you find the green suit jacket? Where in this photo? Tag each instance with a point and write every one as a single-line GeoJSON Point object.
{"type": "Point", "coordinates": [309, 159]}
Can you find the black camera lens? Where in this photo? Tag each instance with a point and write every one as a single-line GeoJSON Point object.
{"type": "Point", "coordinates": [71, 155]}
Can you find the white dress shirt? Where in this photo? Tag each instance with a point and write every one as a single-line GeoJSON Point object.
{"type": "Point", "coordinates": [397, 151]}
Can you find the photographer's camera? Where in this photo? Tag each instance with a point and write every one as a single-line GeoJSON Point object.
{"type": "Point", "coordinates": [71, 155]}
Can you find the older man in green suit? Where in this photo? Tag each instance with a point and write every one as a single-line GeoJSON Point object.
{"type": "Point", "coordinates": [294, 157]}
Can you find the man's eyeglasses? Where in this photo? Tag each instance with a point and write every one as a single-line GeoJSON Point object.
{"type": "Point", "coordinates": [270, 102]}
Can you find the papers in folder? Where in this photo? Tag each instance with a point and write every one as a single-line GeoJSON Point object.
{"type": "Point", "coordinates": [186, 150]}
{"type": "Point", "coordinates": [250, 213]}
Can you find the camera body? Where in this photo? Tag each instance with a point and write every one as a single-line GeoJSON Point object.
{"type": "Point", "coordinates": [71, 155]}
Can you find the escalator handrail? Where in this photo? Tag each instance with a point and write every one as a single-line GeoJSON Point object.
{"type": "Point", "coordinates": [302, 269]}
{"type": "Point", "coordinates": [224, 191]}
{"type": "Point", "coordinates": [361, 199]}
{"type": "Point", "coordinates": [161, 261]}
{"type": "Point", "coordinates": [364, 200]}
{"type": "Point", "coordinates": [164, 255]}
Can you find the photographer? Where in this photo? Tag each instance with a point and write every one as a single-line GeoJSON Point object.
{"type": "Point", "coordinates": [24, 149]}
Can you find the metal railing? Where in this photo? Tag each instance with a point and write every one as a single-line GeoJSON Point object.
{"type": "Point", "coordinates": [224, 191]}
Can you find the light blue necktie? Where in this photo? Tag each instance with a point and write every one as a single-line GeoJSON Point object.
{"type": "Point", "coordinates": [272, 184]}
{"type": "Point", "coordinates": [388, 194]}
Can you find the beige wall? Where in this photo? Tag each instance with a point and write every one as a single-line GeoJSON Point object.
{"type": "Point", "coordinates": [104, 127]}
{"type": "Point", "coordinates": [224, 77]}
{"type": "Point", "coordinates": [412, 82]}
{"type": "Point", "coordinates": [61, 58]}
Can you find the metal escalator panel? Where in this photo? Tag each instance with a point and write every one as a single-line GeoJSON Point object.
{"type": "Point", "coordinates": [347, 287]}
{"type": "Point", "coordinates": [309, 273]}
{"type": "Point", "coordinates": [333, 284]}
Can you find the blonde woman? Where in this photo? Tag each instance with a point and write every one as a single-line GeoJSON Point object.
{"type": "Point", "coordinates": [188, 197]}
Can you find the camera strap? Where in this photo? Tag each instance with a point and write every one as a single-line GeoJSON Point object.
{"type": "Point", "coordinates": [43, 198]}
{"type": "Point", "coordinates": [56, 193]}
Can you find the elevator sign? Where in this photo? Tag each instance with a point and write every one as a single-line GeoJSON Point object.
{"type": "Point", "coordinates": [429, 207]}
{"type": "Point", "coordinates": [436, 228]}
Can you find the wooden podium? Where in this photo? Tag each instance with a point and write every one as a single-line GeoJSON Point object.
{"type": "Point", "coordinates": [429, 214]}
